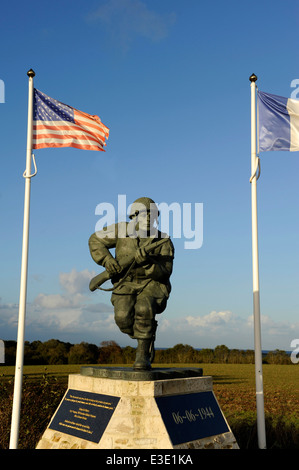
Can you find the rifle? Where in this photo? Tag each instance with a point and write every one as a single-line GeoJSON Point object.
{"type": "Point", "coordinates": [98, 280]}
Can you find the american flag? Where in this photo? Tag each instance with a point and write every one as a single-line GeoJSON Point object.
{"type": "Point", "coordinates": [58, 125]}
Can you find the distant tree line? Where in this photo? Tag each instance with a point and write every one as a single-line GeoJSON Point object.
{"type": "Point", "coordinates": [109, 352]}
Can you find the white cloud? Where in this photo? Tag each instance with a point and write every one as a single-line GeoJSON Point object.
{"type": "Point", "coordinates": [67, 315]}
{"type": "Point", "coordinates": [275, 328]}
{"type": "Point", "coordinates": [76, 282]}
{"type": "Point", "coordinates": [126, 20]}
{"type": "Point", "coordinates": [72, 311]}
{"type": "Point", "coordinates": [212, 320]}
{"type": "Point", "coordinates": [8, 314]}
{"type": "Point", "coordinates": [77, 315]}
{"type": "Point", "coordinates": [57, 301]}
{"type": "Point", "coordinates": [224, 327]}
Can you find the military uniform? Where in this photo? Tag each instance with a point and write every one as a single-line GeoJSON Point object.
{"type": "Point", "coordinates": [144, 291]}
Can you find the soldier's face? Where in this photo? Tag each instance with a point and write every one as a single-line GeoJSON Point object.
{"type": "Point", "coordinates": [145, 222]}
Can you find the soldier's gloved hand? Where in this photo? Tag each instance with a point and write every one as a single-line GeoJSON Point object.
{"type": "Point", "coordinates": [140, 256]}
{"type": "Point", "coordinates": [112, 266]}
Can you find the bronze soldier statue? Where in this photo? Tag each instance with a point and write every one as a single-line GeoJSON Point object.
{"type": "Point", "coordinates": [140, 273]}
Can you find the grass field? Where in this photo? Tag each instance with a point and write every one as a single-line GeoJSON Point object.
{"type": "Point", "coordinates": [233, 385]}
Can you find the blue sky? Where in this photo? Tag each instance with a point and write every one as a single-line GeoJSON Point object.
{"type": "Point", "coordinates": [170, 80]}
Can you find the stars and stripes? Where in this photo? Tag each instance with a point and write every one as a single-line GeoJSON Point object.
{"type": "Point", "coordinates": [58, 125]}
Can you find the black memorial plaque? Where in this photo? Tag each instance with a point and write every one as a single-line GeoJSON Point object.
{"type": "Point", "coordinates": [192, 416]}
{"type": "Point", "coordinates": [84, 414]}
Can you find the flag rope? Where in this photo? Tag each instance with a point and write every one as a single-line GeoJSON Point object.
{"type": "Point", "coordinates": [257, 168]}
{"type": "Point", "coordinates": [35, 169]}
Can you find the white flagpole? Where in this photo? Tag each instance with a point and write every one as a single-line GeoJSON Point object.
{"type": "Point", "coordinates": [255, 272]}
{"type": "Point", "coordinates": [15, 420]}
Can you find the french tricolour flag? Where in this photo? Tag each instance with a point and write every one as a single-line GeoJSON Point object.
{"type": "Point", "coordinates": [278, 122]}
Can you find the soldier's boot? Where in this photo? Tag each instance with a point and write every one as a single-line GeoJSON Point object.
{"type": "Point", "coordinates": [142, 360]}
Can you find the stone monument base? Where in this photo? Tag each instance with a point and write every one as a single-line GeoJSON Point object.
{"type": "Point", "coordinates": [118, 408]}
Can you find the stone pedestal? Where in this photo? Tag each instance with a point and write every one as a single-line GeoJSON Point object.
{"type": "Point", "coordinates": [138, 412]}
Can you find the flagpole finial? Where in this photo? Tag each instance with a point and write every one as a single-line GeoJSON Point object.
{"type": "Point", "coordinates": [253, 78]}
{"type": "Point", "coordinates": [31, 73]}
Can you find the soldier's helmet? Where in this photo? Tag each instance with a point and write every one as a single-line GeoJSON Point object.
{"type": "Point", "coordinates": [144, 204]}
